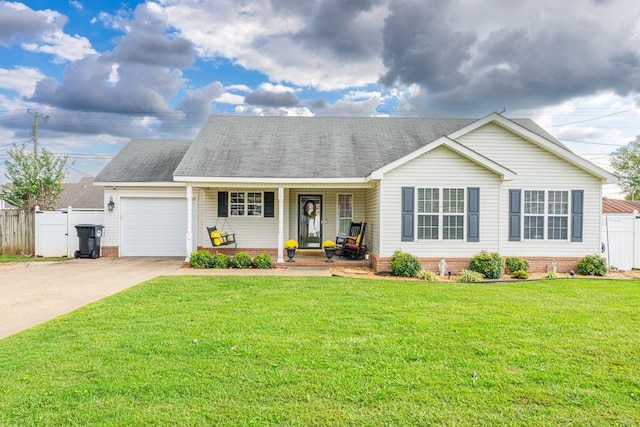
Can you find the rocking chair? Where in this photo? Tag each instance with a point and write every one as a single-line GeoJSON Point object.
{"type": "Point", "coordinates": [353, 246]}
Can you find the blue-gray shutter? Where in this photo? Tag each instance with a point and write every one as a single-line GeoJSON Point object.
{"type": "Point", "coordinates": [269, 204]}
{"type": "Point", "coordinates": [514, 215]}
{"type": "Point", "coordinates": [473, 214]}
{"type": "Point", "coordinates": [407, 213]}
{"type": "Point", "coordinates": [223, 204]}
{"type": "Point", "coordinates": [577, 206]}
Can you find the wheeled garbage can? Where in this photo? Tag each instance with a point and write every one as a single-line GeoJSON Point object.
{"type": "Point", "coordinates": [89, 235]}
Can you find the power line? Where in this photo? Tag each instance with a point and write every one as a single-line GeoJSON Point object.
{"type": "Point", "coordinates": [596, 118]}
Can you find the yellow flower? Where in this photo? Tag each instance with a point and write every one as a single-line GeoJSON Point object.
{"type": "Point", "coordinates": [291, 244]}
{"type": "Point", "coordinates": [329, 244]}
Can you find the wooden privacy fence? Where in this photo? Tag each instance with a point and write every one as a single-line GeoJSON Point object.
{"type": "Point", "coordinates": [17, 231]}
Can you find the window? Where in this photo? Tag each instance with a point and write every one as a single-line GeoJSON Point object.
{"type": "Point", "coordinates": [345, 213]}
{"type": "Point", "coordinates": [441, 213]}
{"type": "Point", "coordinates": [556, 214]}
{"type": "Point", "coordinates": [245, 203]}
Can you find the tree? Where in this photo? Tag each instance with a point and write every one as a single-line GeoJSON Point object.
{"type": "Point", "coordinates": [626, 164]}
{"type": "Point", "coordinates": [35, 180]}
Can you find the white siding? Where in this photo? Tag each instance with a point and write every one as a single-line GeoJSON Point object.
{"type": "Point", "coordinates": [538, 169]}
{"type": "Point", "coordinates": [251, 231]}
{"type": "Point", "coordinates": [373, 219]}
{"type": "Point", "coordinates": [444, 169]}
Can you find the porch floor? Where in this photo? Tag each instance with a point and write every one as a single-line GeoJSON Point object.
{"type": "Point", "coordinates": [317, 258]}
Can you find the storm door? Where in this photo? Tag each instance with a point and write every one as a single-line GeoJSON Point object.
{"type": "Point", "coordinates": [310, 221]}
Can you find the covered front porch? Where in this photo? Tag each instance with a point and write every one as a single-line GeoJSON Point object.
{"type": "Point", "coordinates": [263, 216]}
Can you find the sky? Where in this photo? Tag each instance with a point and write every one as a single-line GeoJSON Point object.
{"type": "Point", "coordinates": [94, 74]}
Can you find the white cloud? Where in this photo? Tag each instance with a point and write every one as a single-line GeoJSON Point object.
{"type": "Point", "coordinates": [62, 46]}
{"type": "Point", "coordinates": [23, 80]}
{"type": "Point", "coordinates": [230, 98]}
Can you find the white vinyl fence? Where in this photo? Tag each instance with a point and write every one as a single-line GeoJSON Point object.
{"type": "Point", "coordinates": [621, 239]}
{"type": "Point", "coordinates": [56, 234]}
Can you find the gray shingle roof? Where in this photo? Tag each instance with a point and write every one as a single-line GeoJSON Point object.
{"type": "Point", "coordinates": [306, 147]}
{"type": "Point", "coordinates": [81, 195]}
{"type": "Point", "coordinates": [145, 160]}
{"type": "Point", "coordinates": [284, 147]}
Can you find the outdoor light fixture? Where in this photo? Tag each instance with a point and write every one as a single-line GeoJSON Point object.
{"type": "Point", "coordinates": [111, 204]}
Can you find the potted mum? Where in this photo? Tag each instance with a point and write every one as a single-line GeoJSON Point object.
{"type": "Point", "coordinates": [291, 245]}
{"type": "Point", "coordinates": [329, 247]}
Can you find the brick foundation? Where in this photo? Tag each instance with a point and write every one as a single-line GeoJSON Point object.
{"type": "Point", "coordinates": [536, 264]}
{"type": "Point", "coordinates": [110, 251]}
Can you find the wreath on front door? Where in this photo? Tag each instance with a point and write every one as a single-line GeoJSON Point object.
{"type": "Point", "coordinates": [310, 210]}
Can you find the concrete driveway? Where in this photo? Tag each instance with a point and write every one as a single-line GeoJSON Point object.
{"type": "Point", "coordinates": [32, 293]}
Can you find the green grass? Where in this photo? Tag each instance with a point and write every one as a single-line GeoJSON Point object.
{"type": "Point", "coordinates": [333, 351]}
{"type": "Point", "coordinates": [21, 258]}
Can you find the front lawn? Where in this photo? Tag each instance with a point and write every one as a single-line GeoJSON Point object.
{"type": "Point", "coordinates": [333, 351]}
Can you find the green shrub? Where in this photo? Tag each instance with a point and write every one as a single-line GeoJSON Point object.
{"type": "Point", "coordinates": [552, 275]}
{"type": "Point", "coordinates": [241, 260]}
{"type": "Point", "coordinates": [200, 259]}
{"type": "Point", "coordinates": [427, 275]}
{"type": "Point", "coordinates": [470, 276]}
{"type": "Point", "coordinates": [516, 264]}
{"type": "Point", "coordinates": [592, 265]}
{"type": "Point", "coordinates": [489, 264]}
{"type": "Point", "coordinates": [220, 261]}
{"type": "Point", "coordinates": [519, 274]}
{"type": "Point", "coordinates": [404, 265]}
{"type": "Point", "coordinates": [262, 261]}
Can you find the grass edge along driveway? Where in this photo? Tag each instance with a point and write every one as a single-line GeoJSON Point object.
{"type": "Point", "coordinates": [332, 351]}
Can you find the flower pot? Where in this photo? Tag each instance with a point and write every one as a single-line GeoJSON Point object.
{"type": "Point", "coordinates": [291, 253]}
{"type": "Point", "coordinates": [329, 252]}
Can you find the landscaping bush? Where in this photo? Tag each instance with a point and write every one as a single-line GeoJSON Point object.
{"type": "Point", "coordinates": [552, 275]}
{"type": "Point", "coordinates": [220, 261]}
{"type": "Point", "coordinates": [200, 259]}
{"type": "Point", "coordinates": [592, 265]}
{"type": "Point", "coordinates": [404, 265]}
{"type": "Point", "coordinates": [262, 261]}
{"type": "Point", "coordinates": [241, 260]}
{"type": "Point", "coordinates": [519, 274]}
{"type": "Point", "coordinates": [489, 264]}
{"type": "Point", "coordinates": [427, 275]}
{"type": "Point", "coordinates": [516, 264]}
{"type": "Point", "coordinates": [470, 276]}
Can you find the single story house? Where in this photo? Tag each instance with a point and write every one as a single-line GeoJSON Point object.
{"type": "Point", "coordinates": [428, 186]}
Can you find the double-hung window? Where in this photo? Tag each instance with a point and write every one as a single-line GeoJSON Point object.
{"type": "Point", "coordinates": [441, 213]}
{"type": "Point", "coordinates": [345, 213]}
{"type": "Point", "coordinates": [245, 203]}
{"type": "Point", "coordinates": [555, 215]}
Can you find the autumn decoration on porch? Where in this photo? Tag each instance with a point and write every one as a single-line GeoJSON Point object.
{"type": "Point", "coordinates": [291, 245]}
{"type": "Point", "coordinates": [329, 247]}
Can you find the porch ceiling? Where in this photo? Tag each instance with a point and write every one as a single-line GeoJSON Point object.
{"type": "Point", "coordinates": [262, 184]}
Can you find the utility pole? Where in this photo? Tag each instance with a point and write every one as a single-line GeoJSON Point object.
{"type": "Point", "coordinates": [36, 116]}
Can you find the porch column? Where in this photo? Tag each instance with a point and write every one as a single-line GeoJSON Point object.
{"type": "Point", "coordinates": [280, 224]}
{"type": "Point", "coordinates": [188, 239]}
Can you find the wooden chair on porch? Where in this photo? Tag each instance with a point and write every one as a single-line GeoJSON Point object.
{"type": "Point", "coordinates": [353, 245]}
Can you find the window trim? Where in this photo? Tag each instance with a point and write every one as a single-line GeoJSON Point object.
{"type": "Point", "coordinates": [545, 215]}
{"type": "Point", "coordinates": [440, 215]}
{"type": "Point", "coordinates": [246, 204]}
{"type": "Point", "coordinates": [353, 210]}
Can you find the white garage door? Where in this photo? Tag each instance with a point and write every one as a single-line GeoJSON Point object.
{"type": "Point", "coordinates": [153, 227]}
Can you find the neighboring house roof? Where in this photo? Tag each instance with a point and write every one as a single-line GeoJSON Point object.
{"type": "Point", "coordinates": [145, 160]}
{"type": "Point", "coordinates": [310, 148]}
{"type": "Point", "coordinates": [81, 195]}
{"type": "Point", "coordinates": [618, 206]}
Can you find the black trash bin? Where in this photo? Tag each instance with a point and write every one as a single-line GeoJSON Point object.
{"type": "Point", "coordinates": [89, 235]}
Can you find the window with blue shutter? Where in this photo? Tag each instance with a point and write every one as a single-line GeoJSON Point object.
{"type": "Point", "coordinates": [473, 214]}
{"type": "Point", "coordinates": [514, 215]}
{"type": "Point", "coordinates": [407, 213]}
{"type": "Point", "coordinates": [577, 206]}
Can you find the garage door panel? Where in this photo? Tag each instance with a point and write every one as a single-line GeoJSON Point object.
{"type": "Point", "coordinates": [153, 226]}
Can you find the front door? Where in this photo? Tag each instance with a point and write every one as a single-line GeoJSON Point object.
{"type": "Point", "coordinates": [310, 221]}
